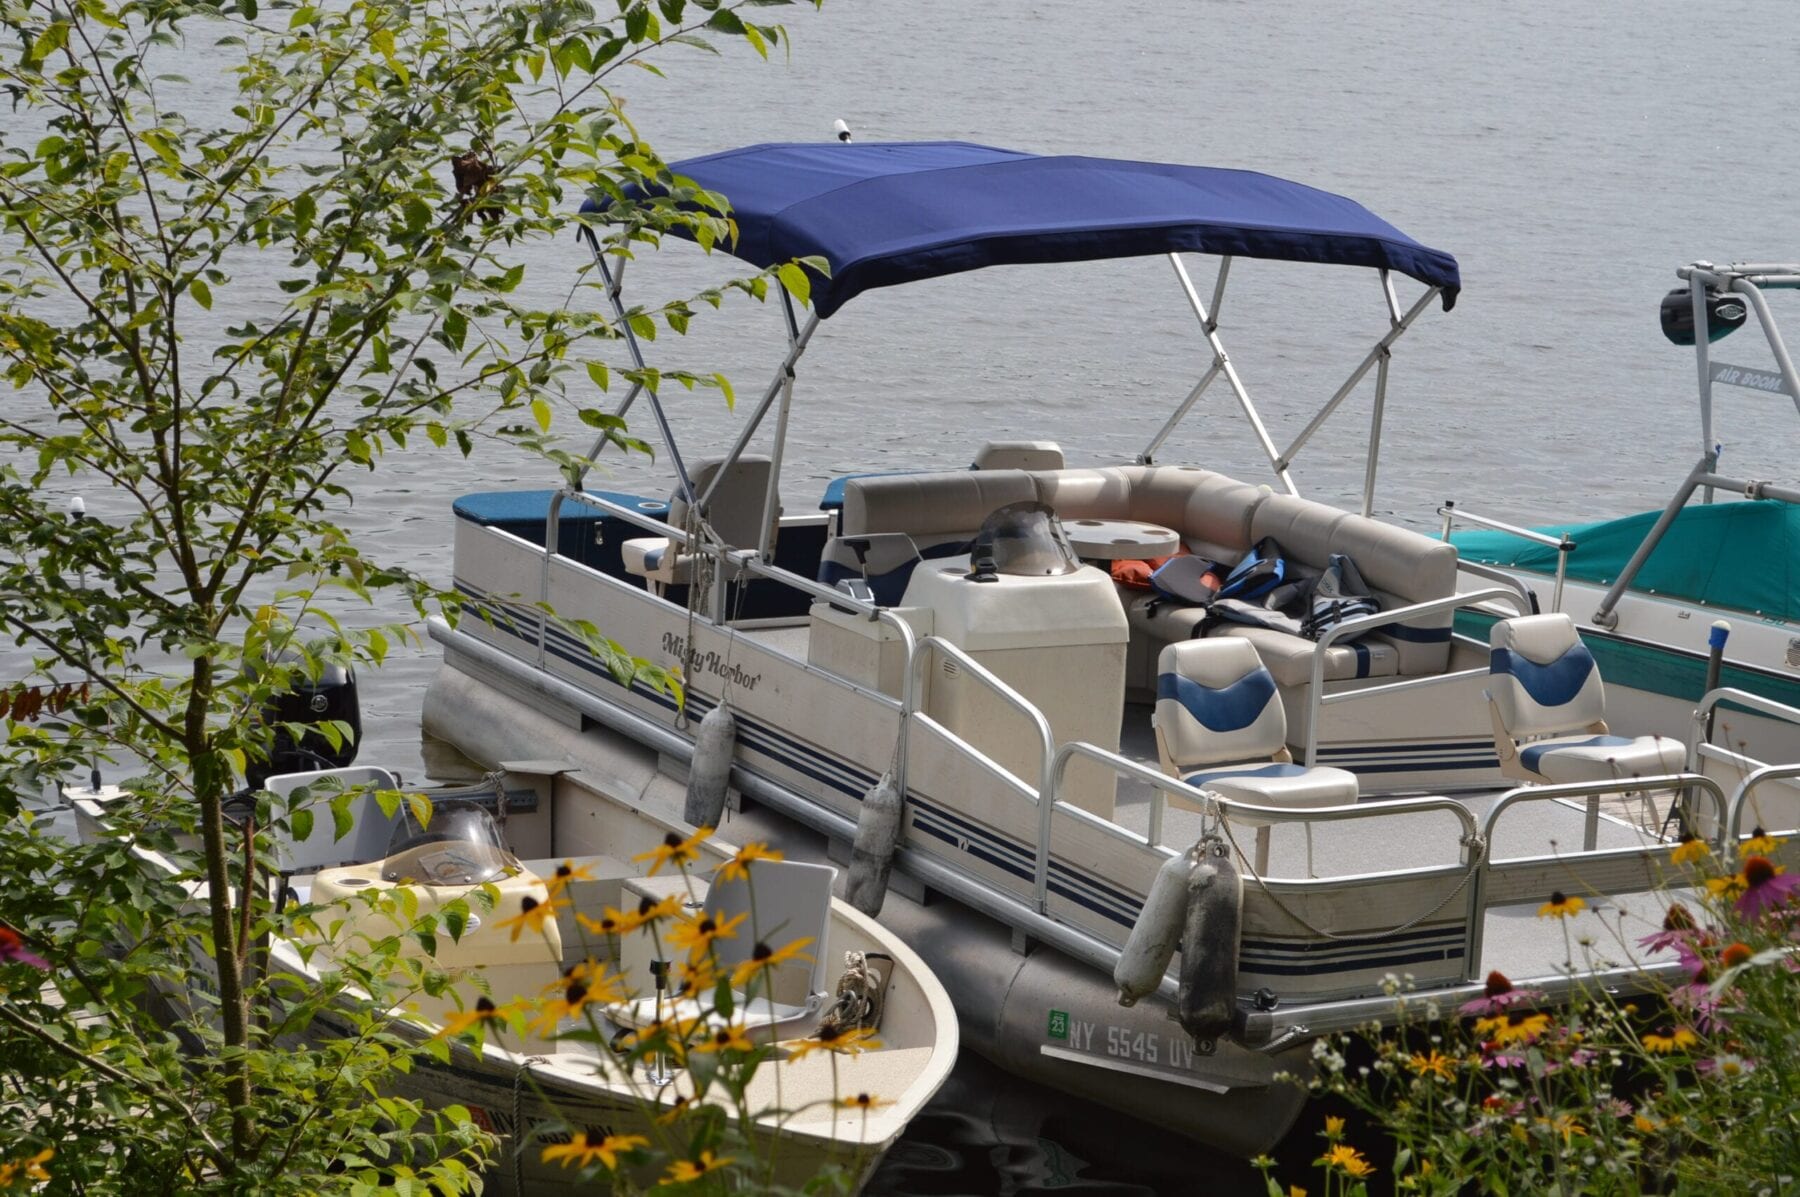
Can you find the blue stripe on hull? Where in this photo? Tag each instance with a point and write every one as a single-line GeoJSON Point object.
{"type": "Point", "coordinates": [1013, 857]}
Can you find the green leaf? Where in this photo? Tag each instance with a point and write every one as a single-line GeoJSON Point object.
{"type": "Point", "coordinates": [342, 821]}
{"type": "Point", "coordinates": [725, 390]}
{"type": "Point", "coordinates": [202, 293]}
{"type": "Point", "coordinates": [421, 808]}
{"type": "Point", "coordinates": [417, 213]}
{"type": "Point", "coordinates": [796, 280]}
{"type": "Point", "coordinates": [300, 823]}
{"type": "Point", "coordinates": [54, 37]}
{"type": "Point", "coordinates": [598, 372]}
{"type": "Point", "coordinates": [456, 327]}
{"type": "Point", "coordinates": [540, 411]}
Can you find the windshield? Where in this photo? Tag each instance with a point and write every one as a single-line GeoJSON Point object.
{"type": "Point", "coordinates": [1024, 539]}
{"type": "Point", "coordinates": [460, 846]}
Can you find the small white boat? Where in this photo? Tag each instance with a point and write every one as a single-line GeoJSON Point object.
{"type": "Point", "coordinates": [537, 1089]}
{"type": "Point", "coordinates": [1646, 588]}
{"type": "Point", "coordinates": [1071, 779]}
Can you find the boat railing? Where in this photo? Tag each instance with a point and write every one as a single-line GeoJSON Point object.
{"type": "Point", "coordinates": [1163, 785]}
{"type": "Point", "coordinates": [1631, 863]}
{"type": "Point", "coordinates": [1564, 545]}
{"type": "Point", "coordinates": [1741, 799]}
{"type": "Point", "coordinates": [1317, 699]}
{"type": "Point", "coordinates": [920, 655]}
{"type": "Point", "coordinates": [1738, 698]}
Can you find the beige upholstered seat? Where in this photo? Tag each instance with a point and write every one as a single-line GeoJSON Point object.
{"type": "Point", "coordinates": [734, 513]}
{"type": "Point", "coordinates": [1220, 727]}
{"type": "Point", "coordinates": [1548, 706]}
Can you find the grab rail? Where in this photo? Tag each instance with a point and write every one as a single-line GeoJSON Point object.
{"type": "Point", "coordinates": [1162, 781]}
{"type": "Point", "coordinates": [748, 561]}
{"type": "Point", "coordinates": [1563, 545]}
{"type": "Point", "coordinates": [1317, 698]}
{"type": "Point", "coordinates": [1046, 797]}
{"type": "Point", "coordinates": [1742, 798]}
{"type": "Point", "coordinates": [1593, 790]}
{"type": "Point", "coordinates": [1742, 698]}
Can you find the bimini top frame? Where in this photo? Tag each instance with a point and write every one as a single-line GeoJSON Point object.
{"type": "Point", "coordinates": [1748, 279]}
{"type": "Point", "coordinates": [881, 214]}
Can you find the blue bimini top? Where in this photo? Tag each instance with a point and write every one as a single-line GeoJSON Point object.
{"type": "Point", "coordinates": [889, 213]}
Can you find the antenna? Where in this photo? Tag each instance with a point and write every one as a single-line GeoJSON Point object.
{"type": "Point", "coordinates": [841, 129]}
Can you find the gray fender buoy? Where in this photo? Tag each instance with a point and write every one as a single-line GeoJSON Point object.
{"type": "Point", "coordinates": [1157, 932]}
{"type": "Point", "coordinates": [872, 856]}
{"type": "Point", "coordinates": [1206, 1003]}
{"type": "Point", "coordinates": [710, 771]}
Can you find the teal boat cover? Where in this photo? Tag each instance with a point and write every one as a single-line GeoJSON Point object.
{"type": "Point", "coordinates": [1744, 556]}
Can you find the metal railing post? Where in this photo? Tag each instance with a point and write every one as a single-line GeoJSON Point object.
{"type": "Point", "coordinates": [1046, 794]}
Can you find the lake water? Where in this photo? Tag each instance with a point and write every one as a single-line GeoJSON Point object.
{"type": "Point", "coordinates": [1570, 156]}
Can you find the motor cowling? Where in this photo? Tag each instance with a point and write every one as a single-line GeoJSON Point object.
{"type": "Point", "coordinates": [329, 697]}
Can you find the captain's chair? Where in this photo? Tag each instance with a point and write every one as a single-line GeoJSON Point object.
{"type": "Point", "coordinates": [792, 902]}
{"type": "Point", "coordinates": [735, 513]}
{"type": "Point", "coordinates": [1220, 727]}
{"type": "Point", "coordinates": [1548, 708]}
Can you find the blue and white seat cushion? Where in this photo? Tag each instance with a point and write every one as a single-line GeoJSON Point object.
{"type": "Point", "coordinates": [1220, 726]}
{"type": "Point", "coordinates": [1549, 708]}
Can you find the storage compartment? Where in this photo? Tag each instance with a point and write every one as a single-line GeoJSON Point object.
{"type": "Point", "coordinates": [866, 651]}
{"type": "Point", "coordinates": [1058, 639]}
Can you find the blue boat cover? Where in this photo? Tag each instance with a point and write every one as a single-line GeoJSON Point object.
{"type": "Point", "coordinates": [896, 212]}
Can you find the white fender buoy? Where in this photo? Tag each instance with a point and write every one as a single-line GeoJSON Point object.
{"type": "Point", "coordinates": [1206, 1003]}
{"type": "Point", "coordinates": [710, 771]}
{"type": "Point", "coordinates": [1157, 932]}
{"type": "Point", "coordinates": [872, 855]}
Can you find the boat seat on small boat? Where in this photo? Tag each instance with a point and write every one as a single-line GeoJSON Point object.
{"type": "Point", "coordinates": [734, 513]}
{"type": "Point", "coordinates": [1548, 707]}
{"type": "Point", "coordinates": [781, 902]}
{"type": "Point", "coordinates": [1220, 726]}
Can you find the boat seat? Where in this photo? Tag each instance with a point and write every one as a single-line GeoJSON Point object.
{"type": "Point", "coordinates": [1019, 455]}
{"type": "Point", "coordinates": [1220, 726]}
{"type": "Point", "coordinates": [1548, 707]}
{"type": "Point", "coordinates": [933, 509]}
{"type": "Point", "coordinates": [1287, 657]}
{"type": "Point", "coordinates": [885, 558]}
{"type": "Point", "coordinates": [792, 901]}
{"type": "Point", "coordinates": [734, 513]}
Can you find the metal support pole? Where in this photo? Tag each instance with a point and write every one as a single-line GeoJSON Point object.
{"type": "Point", "coordinates": [782, 374]}
{"type": "Point", "coordinates": [1223, 361]}
{"type": "Point", "coordinates": [637, 356]}
{"type": "Point", "coordinates": [772, 500]}
{"type": "Point", "coordinates": [1702, 360]}
{"type": "Point", "coordinates": [1381, 377]}
{"type": "Point", "coordinates": [1604, 615]}
{"type": "Point", "coordinates": [1371, 358]}
{"type": "Point", "coordinates": [1783, 362]}
{"type": "Point", "coordinates": [1148, 456]}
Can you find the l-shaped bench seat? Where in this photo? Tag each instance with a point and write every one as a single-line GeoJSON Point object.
{"type": "Point", "coordinates": [1217, 517]}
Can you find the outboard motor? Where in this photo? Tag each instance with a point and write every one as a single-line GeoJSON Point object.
{"type": "Point", "coordinates": [1725, 314]}
{"type": "Point", "coordinates": [332, 696]}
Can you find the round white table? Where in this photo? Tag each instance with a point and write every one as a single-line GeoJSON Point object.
{"type": "Point", "coordinates": [1116, 540]}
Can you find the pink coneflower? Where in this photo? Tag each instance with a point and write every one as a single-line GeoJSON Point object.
{"type": "Point", "coordinates": [12, 950]}
{"type": "Point", "coordinates": [1678, 928]}
{"type": "Point", "coordinates": [1705, 1010]}
{"type": "Point", "coordinates": [1499, 995]}
{"type": "Point", "coordinates": [1766, 887]}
